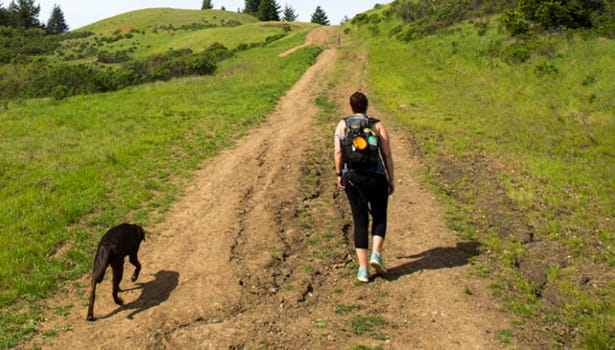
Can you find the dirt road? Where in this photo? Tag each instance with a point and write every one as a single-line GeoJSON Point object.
{"type": "Point", "coordinates": [255, 255]}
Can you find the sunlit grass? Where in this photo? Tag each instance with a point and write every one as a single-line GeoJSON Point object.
{"type": "Point", "coordinates": [539, 132]}
{"type": "Point", "coordinates": [71, 169]}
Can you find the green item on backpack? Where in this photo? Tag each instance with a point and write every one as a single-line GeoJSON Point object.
{"type": "Point", "coordinates": [360, 144]}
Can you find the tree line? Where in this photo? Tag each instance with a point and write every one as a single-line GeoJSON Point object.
{"type": "Point", "coordinates": [24, 14]}
{"type": "Point", "coordinates": [270, 10]}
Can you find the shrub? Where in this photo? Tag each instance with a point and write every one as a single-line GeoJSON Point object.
{"type": "Point", "coordinates": [516, 53]}
{"type": "Point", "coordinates": [43, 82]}
{"type": "Point", "coordinates": [481, 27]}
{"type": "Point", "coordinates": [113, 57]}
{"type": "Point", "coordinates": [544, 69]}
{"type": "Point", "coordinates": [551, 14]}
{"type": "Point", "coordinates": [60, 92]}
{"type": "Point", "coordinates": [515, 23]}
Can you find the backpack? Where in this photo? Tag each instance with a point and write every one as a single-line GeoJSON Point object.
{"type": "Point", "coordinates": [360, 145]}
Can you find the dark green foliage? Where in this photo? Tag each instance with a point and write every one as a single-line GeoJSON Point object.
{"type": "Point", "coordinates": [45, 78]}
{"type": "Point", "coordinates": [550, 14]}
{"type": "Point", "coordinates": [427, 17]}
{"type": "Point", "coordinates": [16, 43]}
{"type": "Point", "coordinates": [56, 23]}
{"type": "Point", "coordinates": [252, 7]}
{"type": "Point", "coordinates": [448, 12]}
{"type": "Point", "coordinates": [40, 79]}
{"type": "Point", "coordinates": [60, 92]}
{"type": "Point", "coordinates": [515, 23]}
{"type": "Point", "coordinates": [218, 51]}
{"type": "Point", "coordinates": [4, 16]}
{"type": "Point", "coordinates": [424, 17]}
{"type": "Point", "coordinates": [481, 26]}
{"type": "Point", "coordinates": [207, 5]}
{"type": "Point", "coordinates": [545, 69]}
{"type": "Point", "coordinates": [75, 35]}
{"type": "Point", "coordinates": [23, 14]}
{"type": "Point", "coordinates": [604, 21]}
{"type": "Point", "coordinates": [289, 15]}
{"type": "Point", "coordinates": [268, 10]}
{"type": "Point", "coordinates": [320, 17]}
{"type": "Point", "coordinates": [113, 57]}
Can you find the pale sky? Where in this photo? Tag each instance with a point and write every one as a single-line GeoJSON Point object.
{"type": "Point", "coordinates": [79, 13]}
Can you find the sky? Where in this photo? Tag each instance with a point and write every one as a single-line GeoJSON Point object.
{"type": "Point", "coordinates": [79, 13]}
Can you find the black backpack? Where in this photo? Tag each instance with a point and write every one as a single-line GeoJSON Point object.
{"type": "Point", "coordinates": [360, 145]}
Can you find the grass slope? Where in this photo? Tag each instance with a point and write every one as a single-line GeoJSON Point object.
{"type": "Point", "coordinates": [71, 169]}
{"type": "Point", "coordinates": [150, 19]}
{"type": "Point", "coordinates": [144, 33]}
{"type": "Point", "coordinates": [522, 153]}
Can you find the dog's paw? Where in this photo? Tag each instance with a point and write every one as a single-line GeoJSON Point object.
{"type": "Point", "coordinates": [134, 277]}
{"type": "Point", "coordinates": [119, 301]}
{"type": "Point", "coordinates": [90, 317]}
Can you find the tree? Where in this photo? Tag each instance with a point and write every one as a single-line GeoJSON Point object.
{"type": "Point", "coordinates": [56, 23]}
{"type": "Point", "coordinates": [252, 7]}
{"type": "Point", "coordinates": [207, 5]}
{"type": "Point", "coordinates": [553, 14]}
{"type": "Point", "coordinates": [289, 15]}
{"type": "Point", "coordinates": [4, 16]}
{"type": "Point", "coordinates": [24, 14]}
{"type": "Point", "coordinates": [268, 10]}
{"type": "Point", "coordinates": [319, 16]}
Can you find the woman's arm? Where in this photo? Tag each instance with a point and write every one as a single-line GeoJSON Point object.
{"type": "Point", "coordinates": [385, 148]}
{"type": "Point", "coordinates": [339, 166]}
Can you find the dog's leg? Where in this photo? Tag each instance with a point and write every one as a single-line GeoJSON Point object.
{"type": "Point", "coordinates": [101, 261]}
{"type": "Point", "coordinates": [92, 298]}
{"type": "Point", "coordinates": [135, 261]}
{"type": "Point", "coordinates": [118, 270]}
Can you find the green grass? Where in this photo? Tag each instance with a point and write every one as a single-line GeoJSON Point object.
{"type": "Point", "coordinates": [148, 19]}
{"type": "Point", "coordinates": [71, 169]}
{"type": "Point", "coordinates": [135, 33]}
{"type": "Point", "coordinates": [367, 324]}
{"type": "Point", "coordinates": [515, 147]}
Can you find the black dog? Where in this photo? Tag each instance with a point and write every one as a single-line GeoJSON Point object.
{"type": "Point", "coordinates": [118, 242]}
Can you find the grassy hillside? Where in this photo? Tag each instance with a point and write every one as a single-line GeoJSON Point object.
{"type": "Point", "coordinates": [74, 167]}
{"type": "Point", "coordinates": [156, 18]}
{"type": "Point", "coordinates": [518, 138]}
{"type": "Point", "coordinates": [154, 31]}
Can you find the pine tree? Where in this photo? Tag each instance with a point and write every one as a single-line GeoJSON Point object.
{"type": "Point", "coordinates": [289, 15]}
{"type": "Point", "coordinates": [24, 14]}
{"type": "Point", "coordinates": [319, 16]}
{"type": "Point", "coordinates": [252, 7]}
{"type": "Point", "coordinates": [268, 10]}
{"type": "Point", "coordinates": [207, 5]}
{"type": "Point", "coordinates": [56, 23]}
{"type": "Point", "coordinates": [4, 16]}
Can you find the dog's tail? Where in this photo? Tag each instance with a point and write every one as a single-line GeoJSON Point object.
{"type": "Point", "coordinates": [101, 261]}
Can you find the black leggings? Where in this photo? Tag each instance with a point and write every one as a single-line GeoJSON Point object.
{"type": "Point", "coordinates": [367, 191]}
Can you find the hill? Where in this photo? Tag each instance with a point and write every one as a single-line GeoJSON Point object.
{"type": "Point", "coordinates": [154, 18]}
{"type": "Point", "coordinates": [72, 165]}
{"type": "Point", "coordinates": [501, 230]}
{"type": "Point", "coordinates": [516, 133]}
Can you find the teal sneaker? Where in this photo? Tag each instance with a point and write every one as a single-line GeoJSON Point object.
{"type": "Point", "coordinates": [363, 274]}
{"type": "Point", "coordinates": [377, 263]}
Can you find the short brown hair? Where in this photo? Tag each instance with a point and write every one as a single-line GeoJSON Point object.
{"type": "Point", "coordinates": [358, 102]}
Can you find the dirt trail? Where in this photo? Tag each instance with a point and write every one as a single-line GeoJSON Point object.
{"type": "Point", "coordinates": [229, 268]}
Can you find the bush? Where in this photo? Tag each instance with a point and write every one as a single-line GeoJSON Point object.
{"type": "Point", "coordinates": [551, 14]}
{"type": "Point", "coordinates": [43, 82]}
{"type": "Point", "coordinates": [60, 92]}
{"type": "Point", "coordinates": [41, 79]}
{"type": "Point", "coordinates": [113, 57]}
{"type": "Point", "coordinates": [516, 53]}
{"type": "Point", "coordinates": [515, 23]}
